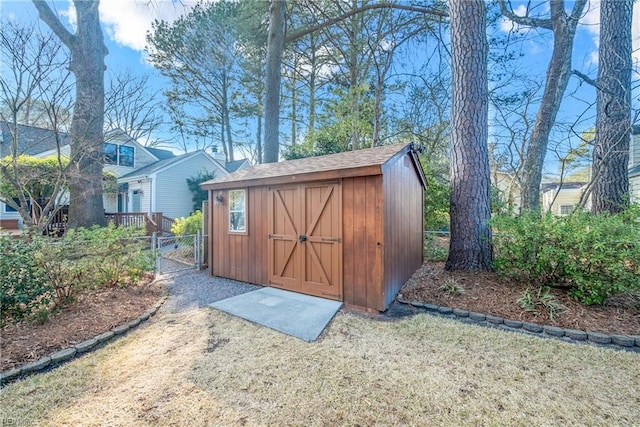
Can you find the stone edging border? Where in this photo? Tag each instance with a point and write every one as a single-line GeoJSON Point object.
{"type": "Point", "coordinates": [621, 342]}
{"type": "Point", "coordinates": [67, 354]}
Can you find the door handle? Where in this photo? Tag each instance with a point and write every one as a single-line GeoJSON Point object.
{"type": "Point", "coordinates": [302, 238]}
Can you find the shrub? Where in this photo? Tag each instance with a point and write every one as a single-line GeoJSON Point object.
{"type": "Point", "coordinates": [593, 256]}
{"type": "Point", "coordinates": [23, 285]}
{"type": "Point", "coordinates": [533, 301]}
{"type": "Point", "coordinates": [110, 255]}
{"type": "Point", "coordinates": [95, 257]}
{"type": "Point", "coordinates": [188, 225]}
{"type": "Point", "coordinates": [434, 250]}
{"type": "Point", "coordinates": [452, 287]}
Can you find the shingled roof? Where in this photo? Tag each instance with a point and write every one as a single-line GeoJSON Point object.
{"type": "Point", "coordinates": [364, 162]}
{"type": "Point", "coordinates": [31, 140]}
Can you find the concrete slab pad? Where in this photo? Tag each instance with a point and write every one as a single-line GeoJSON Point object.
{"type": "Point", "coordinates": [295, 314]}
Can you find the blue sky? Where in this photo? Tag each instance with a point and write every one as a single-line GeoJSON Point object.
{"type": "Point", "coordinates": [125, 23]}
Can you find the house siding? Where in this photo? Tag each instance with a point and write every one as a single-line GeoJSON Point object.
{"type": "Point", "coordinates": [4, 216]}
{"type": "Point", "coordinates": [634, 189]}
{"type": "Point", "coordinates": [634, 151]}
{"type": "Point", "coordinates": [566, 197]}
{"type": "Point", "coordinates": [172, 196]}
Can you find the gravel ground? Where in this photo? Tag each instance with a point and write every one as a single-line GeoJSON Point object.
{"type": "Point", "coordinates": [191, 288]}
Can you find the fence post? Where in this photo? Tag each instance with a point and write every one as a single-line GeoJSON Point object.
{"type": "Point", "coordinates": [155, 250]}
{"type": "Point", "coordinates": [196, 251]}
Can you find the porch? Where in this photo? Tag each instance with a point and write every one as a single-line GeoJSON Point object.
{"type": "Point", "coordinates": [154, 222]}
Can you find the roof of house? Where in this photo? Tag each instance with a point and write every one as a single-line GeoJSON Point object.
{"type": "Point", "coordinates": [364, 162]}
{"type": "Point", "coordinates": [161, 164]}
{"type": "Point", "coordinates": [635, 130]}
{"type": "Point", "coordinates": [32, 140]}
{"type": "Point", "coordinates": [634, 171]}
{"type": "Point", "coordinates": [547, 186]}
{"type": "Point", "coordinates": [235, 165]}
{"type": "Point", "coordinates": [156, 166]}
{"type": "Point", "coordinates": [160, 153]}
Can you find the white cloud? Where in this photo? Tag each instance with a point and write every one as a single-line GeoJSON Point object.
{"type": "Point", "coordinates": [591, 21]}
{"type": "Point", "coordinates": [635, 33]}
{"type": "Point", "coordinates": [127, 21]}
{"type": "Point", "coordinates": [508, 25]}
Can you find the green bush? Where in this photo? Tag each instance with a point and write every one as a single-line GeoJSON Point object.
{"type": "Point", "coordinates": [23, 285]}
{"type": "Point", "coordinates": [593, 256]}
{"type": "Point", "coordinates": [41, 270]}
{"type": "Point", "coordinates": [434, 249]}
{"type": "Point", "coordinates": [95, 257]}
{"type": "Point", "coordinates": [109, 255]}
{"type": "Point", "coordinates": [188, 225]}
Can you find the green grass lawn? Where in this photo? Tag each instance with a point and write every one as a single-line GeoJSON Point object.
{"type": "Point", "coordinates": [204, 367]}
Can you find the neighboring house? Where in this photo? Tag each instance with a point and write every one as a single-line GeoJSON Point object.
{"type": "Point", "coordinates": [509, 188]}
{"type": "Point", "coordinates": [149, 179]}
{"type": "Point", "coordinates": [570, 193]}
{"type": "Point", "coordinates": [634, 165]}
{"type": "Point", "coordinates": [563, 198]}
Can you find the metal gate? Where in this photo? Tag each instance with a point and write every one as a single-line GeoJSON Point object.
{"type": "Point", "coordinates": [178, 253]}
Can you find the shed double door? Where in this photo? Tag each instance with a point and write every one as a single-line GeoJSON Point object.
{"type": "Point", "coordinates": [305, 238]}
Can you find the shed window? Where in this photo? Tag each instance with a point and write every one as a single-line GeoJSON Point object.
{"type": "Point", "coordinates": [238, 211]}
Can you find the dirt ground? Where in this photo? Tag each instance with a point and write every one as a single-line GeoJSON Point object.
{"type": "Point", "coordinates": [486, 293]}
{"type": "Point", "coordinates": [92, 313]}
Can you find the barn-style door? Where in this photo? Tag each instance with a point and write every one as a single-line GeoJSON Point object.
{"type": "Point", "coordinates": [305, 239]}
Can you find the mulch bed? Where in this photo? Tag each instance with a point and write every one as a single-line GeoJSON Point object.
{"type": "Point", "coordinates": [98, 311]}
{"type": "Point", "coordinates": [92, 313]}
{"type": "Point", "coordinates": [486, 293]}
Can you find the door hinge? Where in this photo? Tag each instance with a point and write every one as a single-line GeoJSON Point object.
{"type": "Point", "coordinates": [275, 236]}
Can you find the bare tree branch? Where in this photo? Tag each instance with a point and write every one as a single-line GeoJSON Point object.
{"type": "Point", "coordinates": [523, 20]}
{"type": "Point", "coordinates": [47, 15]}
{"type": "Point", "coordinates": [383, 5]}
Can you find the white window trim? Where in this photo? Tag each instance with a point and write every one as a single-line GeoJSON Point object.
{"type": "Point", "coordinates": [564, 205]}
{"type": "Point", "coordinates": [244, 211]}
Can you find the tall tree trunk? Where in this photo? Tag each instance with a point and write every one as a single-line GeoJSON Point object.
{"type": "Point", "coordinates": [470, 247]}
{"type": "Point", "coordinates": [88, 51]}
{"type": "Point", "coordinates": [563, 27]}
{"type": "Point", "coordinates": [613, 121]}
{"type": "Point", "coordinates": [312, 88]}
{"type": "Point", "coordinates": [223, 139]}
{"type": "Point", "coordinates": [294, 108]}
{"type": "Point", "coordinates": [275, 48]}
{"type": "Point", "coordinates": [354, 91]}
{"type": "Point", "coordinates": [259, 140]}
{"type": "Point", "coordinates": [225, 115]}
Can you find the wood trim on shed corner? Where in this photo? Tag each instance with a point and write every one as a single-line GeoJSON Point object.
{"type": "Point", "coordinates": [407, 150]}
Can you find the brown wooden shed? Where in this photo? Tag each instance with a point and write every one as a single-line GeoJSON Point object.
{"type": "Point", "coordinates": [344, 226]}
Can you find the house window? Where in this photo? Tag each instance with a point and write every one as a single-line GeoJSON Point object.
{"type": "Point", "coordinates": [118, 154]}
{"type": "Point", "coordinates": [8, 208]}
{"type": "Point", "coordinates": [126, 155]}
{"type": "Point", "coordinates": [110, 153]}
{"type": "Point", "coordinates": [566, 209]}
{"type": "Point", "coordinates": [238, 211]}
{"type": "Point", "coordinates": [16, 200]}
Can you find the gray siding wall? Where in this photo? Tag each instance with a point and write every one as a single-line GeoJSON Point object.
{"type": "Point", "coordinates": [173, 197]}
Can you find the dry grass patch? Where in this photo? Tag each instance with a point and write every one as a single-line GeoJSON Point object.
{"type": "Point", "coordinates": [204, 367]}
{"type": "Point", "coordinates": [420, 371]}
